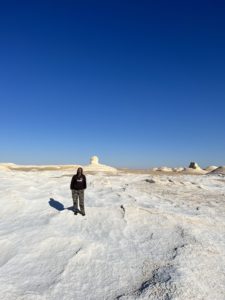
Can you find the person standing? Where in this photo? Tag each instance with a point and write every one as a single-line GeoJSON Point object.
{"type": "Point", "coordinates": [78, 185]}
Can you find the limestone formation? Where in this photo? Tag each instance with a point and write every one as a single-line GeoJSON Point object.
{"type": "Point", "coordinates": [165, 169]}
{"type": "Point", "coordinates": [179, 169]}
{"type": "Point", "coordinates": [95, 166]}
{"type": "Point", "coordinates": [154, 169]}
{"type": "Point", "coordinates": [211, 168]}
{"type": "Point", "coordinates": [194, 165]}
{"type": "Point", "coordinates": [220, 170]}
{"type": "Point", "coordinates": [94, 160]}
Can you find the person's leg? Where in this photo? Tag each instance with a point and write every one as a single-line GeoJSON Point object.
{"type": "Point", "coordinates": [75, 198]}
{"type": "Point", "coordinates": [81, 201]}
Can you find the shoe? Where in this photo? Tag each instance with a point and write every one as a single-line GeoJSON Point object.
{"type": "Point", "coordinates": [75, 212]}
{"type": "Point", "coordinates": [83, 214]}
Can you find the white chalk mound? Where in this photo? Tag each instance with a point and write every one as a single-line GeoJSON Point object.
{"type": "Point", "coordinates": [179, 169]}
{"type": "Point", "coordinates": [6, 166]}
{"type": "Point", "coordinates": [193, 171]}
{"type": "Point", "coordinates": [211, 168]}
{"type": "Point", "coordinates": [194, 168]}
{"type": "Point", "coordinates": [165, 169]}
{"type": "Point", "coordinates": [220, 170]}
{"type": "Point", "coordinates": [95, 166]}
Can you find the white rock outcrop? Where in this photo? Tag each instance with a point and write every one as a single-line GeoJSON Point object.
{"type": "Point", "coordinates": [220, 170]}
{"type": "Point", "coordinates": [154, 169]}
{"type": "Point", "coordinates": [165, 169]}
{"type": "Point", "coordinates": [211, 168]}
{"type": "Point", "coordinates": [94, 160]}
{"type": "Point", "coordinates": [194, 168]}
{"type": "Point", "coordinates": [95, 166]}
{"type": "Point", "coordinates": [179, 169]}
{"type": "Point", "coordinates": [193, 171]}
{"type": "Point", "coordinates": [194, 165]}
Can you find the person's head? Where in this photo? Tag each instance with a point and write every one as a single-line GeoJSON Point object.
{"type": "Point", "coordinates": [79, 171]}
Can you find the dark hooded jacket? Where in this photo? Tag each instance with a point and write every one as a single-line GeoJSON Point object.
{"type": "Point", "coordinates": [78, 182]}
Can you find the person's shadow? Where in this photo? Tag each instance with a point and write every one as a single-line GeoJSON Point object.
{"type": "Point", "coordinates": [58, 205]}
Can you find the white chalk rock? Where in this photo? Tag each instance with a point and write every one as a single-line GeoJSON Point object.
{"type": "Point", "coordinates": [211, 168]}
{"type": "Point", "coordinates": [94, 160]}
{"type": "Point", "coordinates": [165, 169]}
{"type": "Point", "coordinates": [194, 165]}
{"type": "Point", "coordinates": [154, 169]}
{"type": "Point", "coordinates": [193, 171]}
{"type": "Point", "coordinates": [95, 166]}
{"type": "Point", "coordinates": [179, 169]}
{"type": "Point", "coordinates": [220, 170]}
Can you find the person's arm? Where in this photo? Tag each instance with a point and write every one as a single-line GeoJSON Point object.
{"type": "Point", "coordinates": [85, 183]}
{"type": "Point", "coordinates": [72, 182]}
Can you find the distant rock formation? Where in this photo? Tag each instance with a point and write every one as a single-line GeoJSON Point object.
{"type": "Point", "coordinates": [179, 169]}
{"type": "Point", "coordinates": [194, 168]}
{"type": "Point", "coordinates": [211, 168]}
{"type": "Point", "coordinates": [95, 166]}
{"type": "Point", "coordinates": [165, 169]}
{"type": "Point", "coordinates": [220, 170]}
{"type": "Point", "coordinates": [94, 160]}
{"type": "Point", "coordinates": [193, 171]}
{"type": "Point", "coordinates": [194, 165]}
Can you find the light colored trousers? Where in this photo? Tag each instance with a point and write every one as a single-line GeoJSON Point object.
{"type": "Point", "coordinates": [78, 194]}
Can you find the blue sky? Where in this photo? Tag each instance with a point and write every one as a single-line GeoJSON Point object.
{"type": "Point", "coordinates": [138, 83]}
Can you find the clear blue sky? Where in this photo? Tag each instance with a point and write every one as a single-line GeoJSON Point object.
{"type": "Point", "coordinates": [138, 83]}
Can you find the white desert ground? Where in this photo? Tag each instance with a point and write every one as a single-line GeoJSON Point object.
{"type": "Point", "coordinates": [146, 235]}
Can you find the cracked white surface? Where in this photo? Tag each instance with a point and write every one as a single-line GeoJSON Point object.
{"type": "Point", "coordinates": [143, 237]}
